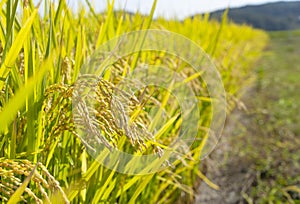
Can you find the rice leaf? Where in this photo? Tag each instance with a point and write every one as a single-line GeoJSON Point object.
{"type": "Point", "coordinates": [18, 101]}
{"type": "Point", "coordinates": [13, 52]}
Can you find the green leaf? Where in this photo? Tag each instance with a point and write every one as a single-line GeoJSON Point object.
{"type": "Point", "coordinates": [13, 52]}
{"type": "Point", "coordinates": [18, 101]}
{"type": "Point", "coordinates": [141, 187]}
{"type": "Point", "coordinates": [103, 189]}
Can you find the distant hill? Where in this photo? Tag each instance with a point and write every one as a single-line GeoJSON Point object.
{"type": "Point", "coordinates": [270, 16]}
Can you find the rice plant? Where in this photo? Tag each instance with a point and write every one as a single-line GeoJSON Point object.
{"type": "Point", "coordinates": [44, 159]}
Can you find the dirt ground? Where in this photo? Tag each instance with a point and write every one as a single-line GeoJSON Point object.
{"type": "Point", "coordinates": [227, 168]}
{"type": "Point", "coordinates": [258, 157]}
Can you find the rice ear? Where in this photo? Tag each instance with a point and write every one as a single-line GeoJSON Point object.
{"type": "Point", "coordinates": [42, 183]}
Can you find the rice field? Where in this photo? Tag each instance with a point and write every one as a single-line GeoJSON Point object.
{"type": "Point", "coordinates": [47, 137]}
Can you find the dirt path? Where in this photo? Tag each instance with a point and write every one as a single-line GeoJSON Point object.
{"type": "Point", "coordinates": [259, 155]}
{"type": "Point", "coordinates": [227, 168]}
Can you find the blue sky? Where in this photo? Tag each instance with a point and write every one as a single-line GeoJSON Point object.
{"type": "Point", "coordinates": [173, 8]}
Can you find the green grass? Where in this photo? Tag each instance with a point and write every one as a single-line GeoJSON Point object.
{"type": "Point", "coordinates": [41, 57]}
{"type": "Point", "coordinates": [273, 137]}
{"type": "Point", "coordinates": [281, 81]}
